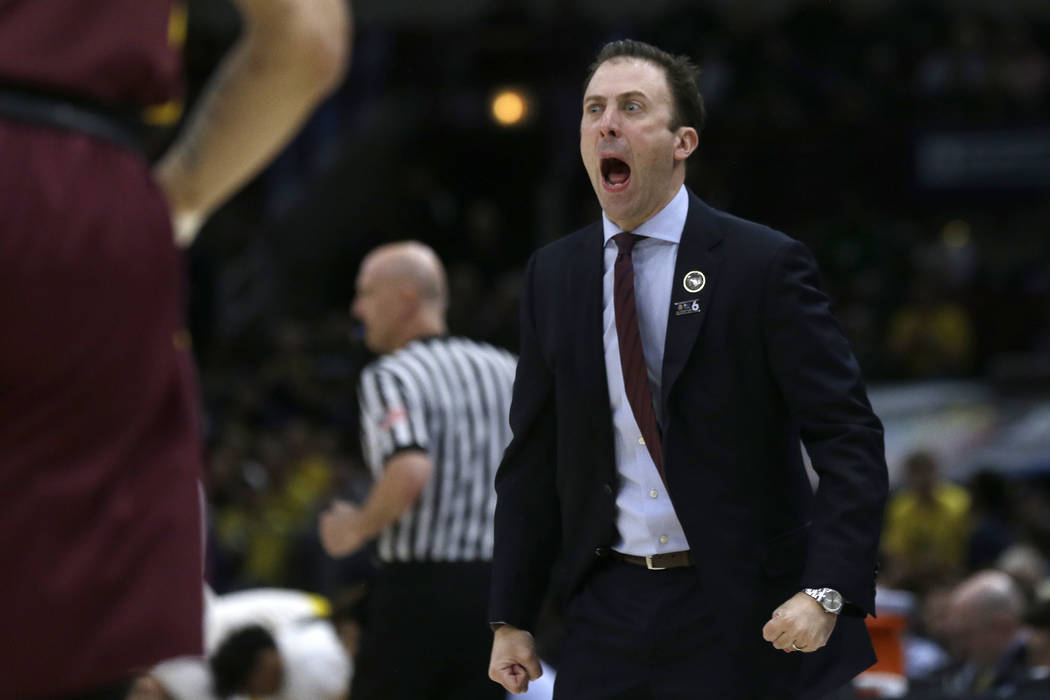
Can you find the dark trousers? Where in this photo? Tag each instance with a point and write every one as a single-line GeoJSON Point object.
{"type": "Point", "coordinates": [427, 635]}
{"type": "Point", "coordinates": [636, 634]}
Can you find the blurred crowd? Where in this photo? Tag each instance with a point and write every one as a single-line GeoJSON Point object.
{"type": "Point", "coordinates": [965, 573]}
{"type": "Point", "coordinates": [281, 440]}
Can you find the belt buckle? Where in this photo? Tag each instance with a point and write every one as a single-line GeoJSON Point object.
{"type": "Point", "coordinates": [649, 563]}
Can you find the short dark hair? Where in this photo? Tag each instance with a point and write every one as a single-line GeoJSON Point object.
{"type": "Point", "coordinates": [920, 460]}
{"type": "Point", "coordinates": [234, 661]}
{"type": "Point", "coordinates": [1038, 614]}
{"type": "Point", "coordinates": [681, 73]}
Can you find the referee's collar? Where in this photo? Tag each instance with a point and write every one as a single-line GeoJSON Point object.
{"type": "Point", "coordinates": [426, 338]}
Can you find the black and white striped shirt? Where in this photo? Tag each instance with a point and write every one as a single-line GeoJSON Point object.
{"type": "Point", "coordinates": [449, 397]}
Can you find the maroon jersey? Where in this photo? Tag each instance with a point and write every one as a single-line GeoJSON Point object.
{"type": "Point", "coordinates": [125, 52]}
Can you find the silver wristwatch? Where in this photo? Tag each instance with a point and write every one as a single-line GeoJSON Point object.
{"type": "Point", "coordinates": [829, 598]}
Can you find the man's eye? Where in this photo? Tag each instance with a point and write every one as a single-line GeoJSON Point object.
{"type": "Point", "coordinates": [632, 107]}
{"type": "Point", "coordinates": [593, 109]}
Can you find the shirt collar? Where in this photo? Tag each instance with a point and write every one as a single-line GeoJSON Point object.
{"type": "Point", "coordinates": [666, 224]}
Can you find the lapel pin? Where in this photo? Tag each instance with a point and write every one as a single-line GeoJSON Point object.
{"type": "Point", "coordinates": [694, 281]}
{"type": "Point", "coordinates": [689, 306]}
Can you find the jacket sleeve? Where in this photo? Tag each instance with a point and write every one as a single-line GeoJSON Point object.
{"type": "Point", "coordinates": [527, 521]}
{"type": "Point", "coordinates": [820, 381]}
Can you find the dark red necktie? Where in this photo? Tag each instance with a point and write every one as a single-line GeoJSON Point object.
{"type": "Point", "coordinates": [632, 357]}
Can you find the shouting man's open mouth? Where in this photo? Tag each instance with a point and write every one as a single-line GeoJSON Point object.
{"type": "Point", "coordinates": [615, 174]}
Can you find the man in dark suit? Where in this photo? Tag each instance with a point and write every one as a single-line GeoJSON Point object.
{"type": "Point", "coordinates": [672, 357]}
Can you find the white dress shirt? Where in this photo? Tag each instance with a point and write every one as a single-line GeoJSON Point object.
{"type": "Point", "coordinates": [645, 517]}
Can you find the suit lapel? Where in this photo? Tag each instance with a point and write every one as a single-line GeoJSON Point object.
{"type": "Point", "coordinates": [593, 345]}
{"type": "Point", "coordinates": [697, 253]}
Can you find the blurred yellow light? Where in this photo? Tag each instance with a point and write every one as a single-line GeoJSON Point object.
{"type": "Point", "coordinates": [509, 107]}
{"type": "Point", "coordinates": [956, 234]}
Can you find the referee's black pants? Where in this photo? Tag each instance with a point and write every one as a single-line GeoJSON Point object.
{"type": "Point", "coordinates": [427, 635]}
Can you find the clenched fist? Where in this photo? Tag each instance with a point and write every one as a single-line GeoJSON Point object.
{"type": "Point", "coordinates": [800, 624]}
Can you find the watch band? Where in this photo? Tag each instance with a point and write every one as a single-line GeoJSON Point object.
{"type": "Point", "coordinates": [829, 599]}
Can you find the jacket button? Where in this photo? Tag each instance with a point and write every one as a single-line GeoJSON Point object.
{"type": "Point", "coordinates": [607, 488]}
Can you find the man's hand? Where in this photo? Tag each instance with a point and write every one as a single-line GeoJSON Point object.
{"type": "Point", "coordinates": [514, 662]}
{"type": "Point", "coordinates": [341, 529]}
{"type": "Point", "coordinates": [802, 622]}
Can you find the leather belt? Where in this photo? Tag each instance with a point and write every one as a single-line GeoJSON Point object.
{"type": "Point", "coordinates": [116, 125]}
{"type": "Point", "coordinates": [656, 562]}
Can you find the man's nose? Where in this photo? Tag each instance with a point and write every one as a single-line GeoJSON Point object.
{"type": "Point", "coordinates": [608, 125]}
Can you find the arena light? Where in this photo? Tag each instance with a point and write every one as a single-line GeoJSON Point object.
{"type": "Point", "coordinates": [509, 107]}
{"type": "Point", "coordinates": [956, 234]}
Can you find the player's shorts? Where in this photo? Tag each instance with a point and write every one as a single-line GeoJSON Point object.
{"type": "Point", "coordinates": [100, 525]}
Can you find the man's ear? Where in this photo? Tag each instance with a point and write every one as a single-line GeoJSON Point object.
{"type": "Point", "coordinates": [410, 300]}
{"type": "Point", "coordinates": [686, 142]}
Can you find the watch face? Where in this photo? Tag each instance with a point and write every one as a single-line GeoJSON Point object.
{"type": "Point", "coordinates": [832, 601]}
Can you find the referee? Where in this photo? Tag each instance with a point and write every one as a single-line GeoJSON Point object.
{"type": "Point", "coordinates": [434, 423]}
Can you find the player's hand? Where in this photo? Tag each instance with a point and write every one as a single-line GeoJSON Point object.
{"type": "Point", "coordinates": [340, 529]}
{"type": "Point", "coordinates": [801, 621]}
{"type": "Point", "coordinates": [514, 662]}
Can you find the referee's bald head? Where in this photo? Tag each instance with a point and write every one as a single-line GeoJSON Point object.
{"type": "Point", "coordinates": [415, 264]}
{"type": "Point", "coordinates": [401, 295]}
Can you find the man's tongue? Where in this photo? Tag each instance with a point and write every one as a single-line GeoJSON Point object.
{"type": "Point", "coordinates": [617, 173]}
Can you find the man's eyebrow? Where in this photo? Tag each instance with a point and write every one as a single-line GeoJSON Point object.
{"type": "Point", "coordinates": [630, 94]}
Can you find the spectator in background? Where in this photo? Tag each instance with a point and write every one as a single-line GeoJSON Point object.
{"type": "Point", "coordinates": [931, 336]}
{"type": "Point", "coordinates": [986, 613]}
{"type": "Point", "coordinates": [1032, 516]}
{"type": "Point", "coordinates": [927, 528]}
{"type": "Point", "coordinates": [297, 475]}
{"type": "Point", "coordinates": [929, 641]}
{"type": "Point", "coordinates": [434, 424]}
{"type": "Point", "coordinates": [992, 506]}
{"type": "Point", "coordinates": [1037, 620]}
{"type": "Point", "coordinates": [98, 407]}
{"type": "Point", "coordinates": [1026, 565]}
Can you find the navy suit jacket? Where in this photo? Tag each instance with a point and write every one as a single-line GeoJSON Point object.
{"type": "Point", "coordinates": [762, 365]}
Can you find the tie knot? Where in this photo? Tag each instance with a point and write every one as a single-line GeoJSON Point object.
{"type": "Point", "coordinates": [625, 241]}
